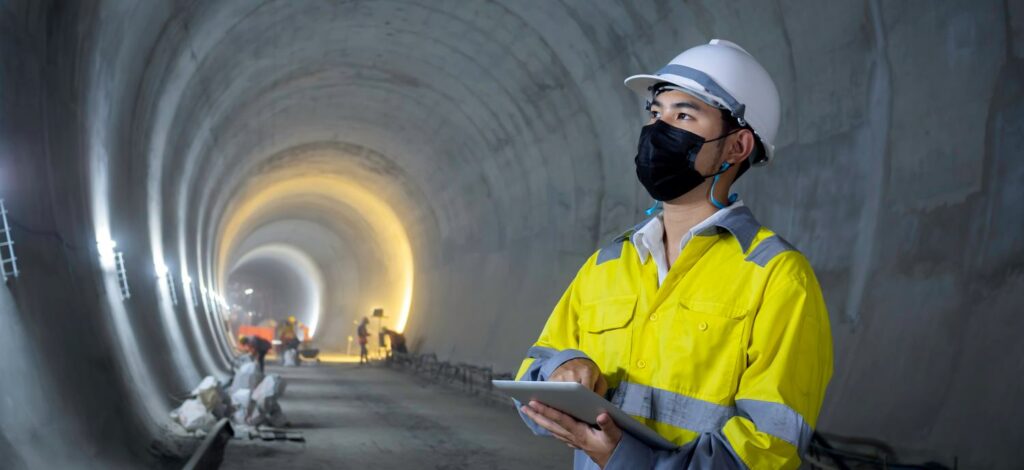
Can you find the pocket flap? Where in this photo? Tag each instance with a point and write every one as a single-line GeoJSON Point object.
{"type": "Point", "coordinates": [608, 314]}
{"type": "Point", "coordinates": [714, 308]}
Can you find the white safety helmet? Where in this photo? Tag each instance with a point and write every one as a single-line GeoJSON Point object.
{"type": "Point", "coordinates": [725, 76]}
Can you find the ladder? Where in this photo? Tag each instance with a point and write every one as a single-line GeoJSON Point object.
{"type": "Point", "coordinates": [8, 261]}
{"type": "Point", "coordinates": [122, 276]}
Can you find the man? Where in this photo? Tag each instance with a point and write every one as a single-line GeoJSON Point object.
{"type": "Point", "coordinates": [288, 336]}
{"type": "Point", "coordinates": [364, 337]}
{"type": "Point", "coordinates": [256, 346]}
{"type": "Point", "coordinates": [397, 340]}
{"type": "Point", "coordinates": [701, 323]}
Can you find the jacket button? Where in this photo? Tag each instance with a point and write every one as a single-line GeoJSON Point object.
{"type": "Point", "coordinates": [641, 364]}
{"type": "Point", "coordinates": [702, 326]}
{"type": "Point", "coordinates": [654, 317]}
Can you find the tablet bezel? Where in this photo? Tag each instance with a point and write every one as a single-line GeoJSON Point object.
{"type": "Point", "coordinates": [581, 403]}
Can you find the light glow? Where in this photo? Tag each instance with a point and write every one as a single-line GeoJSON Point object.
{"type": "Point", "coordinates": [385, 225]}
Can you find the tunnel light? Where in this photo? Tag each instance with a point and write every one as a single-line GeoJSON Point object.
{"type": "Point", "coordinates": [248, 291]}
{"type": "Point", "coordinates": [8, 262]}
{"type": "Point", "coordinates": [106, 247]}
{"type": "Point", "coordinates": [161, 271]}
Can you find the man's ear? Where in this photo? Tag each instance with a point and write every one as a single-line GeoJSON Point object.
{"type": "Point", "coordinates": [741, 147]}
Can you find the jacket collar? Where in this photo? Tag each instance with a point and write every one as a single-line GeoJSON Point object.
{"type": "Point", "coordinates": [740, 222]}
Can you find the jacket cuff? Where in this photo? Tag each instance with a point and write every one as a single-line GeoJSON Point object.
{"type": "Point", "coordinates": [630, 454]}
{"type": "Point", "coordinates": [561, 357]}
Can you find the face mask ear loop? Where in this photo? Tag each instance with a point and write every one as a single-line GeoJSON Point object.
{"type": "Point", "coordinates": [711, 197]}
{"type": "Point", "coordinates": [654, 208]}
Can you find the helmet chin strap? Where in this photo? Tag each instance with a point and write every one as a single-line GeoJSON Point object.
{"type": "Point", "coordinates": [711, 193]}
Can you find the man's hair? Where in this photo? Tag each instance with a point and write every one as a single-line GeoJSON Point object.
{"type": "Point", "coordinates": [244, 341]}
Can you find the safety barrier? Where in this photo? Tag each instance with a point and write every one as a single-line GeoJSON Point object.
{"type": "Point", "coordinates": [470, 378]}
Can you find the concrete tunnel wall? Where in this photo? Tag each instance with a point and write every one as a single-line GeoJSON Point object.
{"type": "Point", "coordinates": [500, 136]}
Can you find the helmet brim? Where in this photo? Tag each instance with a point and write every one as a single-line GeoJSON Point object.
{"type": "Point", "coordinates": [642, 84]}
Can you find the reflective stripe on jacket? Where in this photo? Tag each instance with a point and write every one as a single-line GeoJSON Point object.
{"type": "Point", "coordinates": [729, 358]}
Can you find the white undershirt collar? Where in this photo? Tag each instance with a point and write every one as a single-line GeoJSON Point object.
{"type": "Point", "coordinates": [648, 238]}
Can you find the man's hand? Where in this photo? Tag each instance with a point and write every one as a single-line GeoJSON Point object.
{"type": "Point", "coordinates": [599, 443]}
{"type": "Point", "coordinates": [583, 371]}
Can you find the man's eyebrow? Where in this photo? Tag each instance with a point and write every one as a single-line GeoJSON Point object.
{"type": "Point", "coordinates": [679, 105]}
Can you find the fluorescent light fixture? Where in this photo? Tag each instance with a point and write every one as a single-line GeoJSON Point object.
{"type": "Point", "coordinates": [248, 291]}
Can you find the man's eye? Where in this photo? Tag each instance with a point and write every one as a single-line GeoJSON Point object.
{"type": "Point", "coordinates": [655, 114]}
{"type": "Point", "coordinates": [683, 117]}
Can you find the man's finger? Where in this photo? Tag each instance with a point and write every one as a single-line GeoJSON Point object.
{"type": "Point", "coordinates": [552, 427]}
{"type": "Point", "coordinates": [586, 377]}
{"type": "Point", "coordinates": [563, 375]}
{"type": "Point", "coordinates": [578, 431]}
{"type": "Point", "coordinates": [567, 422]}
{"type": "Point", "coordinates": [601, 385]}
{"type": "Point", "coordinates": [608, 427]}
{"type": "Point", "coordinates": [606, 422]}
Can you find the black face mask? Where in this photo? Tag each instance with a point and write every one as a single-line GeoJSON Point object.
{"type": "Point", "coordinates": [665, 160]}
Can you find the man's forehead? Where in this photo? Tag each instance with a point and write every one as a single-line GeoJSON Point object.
{"type": "Point", "coordinates": [674, 98]}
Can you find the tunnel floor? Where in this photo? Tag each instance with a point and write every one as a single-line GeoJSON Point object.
{"type": "Point", "coordinates": [374, 417]}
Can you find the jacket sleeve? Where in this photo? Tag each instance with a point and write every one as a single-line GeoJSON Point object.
{"type": "Point", "coordinates": [556, 346]}
{"type": "Point", "coordinates": [789, 364]}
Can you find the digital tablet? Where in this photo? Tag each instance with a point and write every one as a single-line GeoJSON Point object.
{"type": "Point", "coordinates": [581, 403]}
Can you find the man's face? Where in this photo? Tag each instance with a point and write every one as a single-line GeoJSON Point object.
{"type": "Point", "coordinates": [684, 111]}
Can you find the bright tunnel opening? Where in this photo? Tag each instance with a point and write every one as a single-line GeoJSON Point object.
{"type": "Point", "coordinates": [379, 275]}
{"type": "Point", "coordinates": [294, 282]}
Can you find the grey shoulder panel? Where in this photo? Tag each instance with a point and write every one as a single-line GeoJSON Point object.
{"type": "Point", "coordinates": [768, 249]}
{"type": "Point", "coordinates": [614, 250]}
{"type": "Point", "coordinates": [742, 224]}
{"type": "Point", "coordinates": [610, 252]}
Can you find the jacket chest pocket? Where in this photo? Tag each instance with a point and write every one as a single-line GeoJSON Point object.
{"type": "Point", "coordinates": [605, 333]}
{"type": "Point", "coordinates": [706, 343]}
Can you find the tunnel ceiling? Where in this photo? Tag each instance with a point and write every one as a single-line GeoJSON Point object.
{"type": "Point", "coordinates": [398, 111]}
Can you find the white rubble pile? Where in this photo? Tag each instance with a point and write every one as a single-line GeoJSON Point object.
{"type": "Point", "coordinates": [247, 376]}
{"type": "Point", "coordinates": [290, 358]}
{"type": "Point", "coordinates": [213, 397]}
{"type": "Point", "coordinates": [193, 416]}
{"type": "Point", "coordinates": [241, 403]}
{"type": "Point", "coordinates": [265, 396]}
{"type": "Point", "coordinates": [251, 400]}
{"type": "Point", "coordinates": [200, 413]}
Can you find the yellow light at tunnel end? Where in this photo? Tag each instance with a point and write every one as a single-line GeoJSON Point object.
{"type": "Point", "coordinates": [378, 214]}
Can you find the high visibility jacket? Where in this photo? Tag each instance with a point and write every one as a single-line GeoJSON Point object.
{"type": "Point", "coordinates": [729, 358]}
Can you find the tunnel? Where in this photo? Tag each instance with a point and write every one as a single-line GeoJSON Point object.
{"type": "Point", "coordinates": [171, 170]}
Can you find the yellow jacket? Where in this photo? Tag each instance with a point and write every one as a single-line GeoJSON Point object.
{"type": "Point", "coordinates": [729, 358]}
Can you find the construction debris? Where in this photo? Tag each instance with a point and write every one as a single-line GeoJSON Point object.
{"type": "Point", "coordinates": [290, 358]}
{"type": "Point", "coordinates": [250, 400]}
